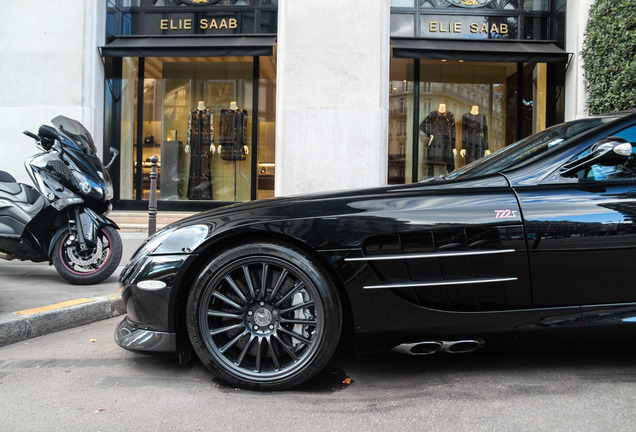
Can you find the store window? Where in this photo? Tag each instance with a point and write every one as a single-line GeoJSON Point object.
{"type": "Point", "coordinates": [458, 112]}
{"type": "Point", "coordinates": [192, 83]}
{"type": "Point", "coordinates": [197, 117]}
{"type": "Point", "coordinates": [266, 168]}
{"type": "Point", "coordinates": [400, 121]}
{"type": "Point", "coordinates": [126, 96]}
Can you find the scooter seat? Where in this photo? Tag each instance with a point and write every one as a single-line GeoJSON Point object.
{"type": "Point", "coordinates": [9, 184]}
{"type": "Point", "coordinates": [20, 192]}
{"type": "Point", "coordinates": [5, 177]}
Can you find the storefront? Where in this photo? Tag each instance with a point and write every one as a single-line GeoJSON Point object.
{"type": "Point", "coordinates": [469, 77]}
{"type": "Point", "coordinates": [193, 83]}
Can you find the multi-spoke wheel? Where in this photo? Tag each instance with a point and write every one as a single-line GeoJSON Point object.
{"type": "Point", "coordinates": [264, 316]}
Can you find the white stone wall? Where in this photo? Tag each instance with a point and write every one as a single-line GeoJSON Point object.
{"type": "Point", "coordinates": [575, 96]}
{"type": "Point", "coordinates": [49, 66]}
{"type": "Point", "coordinates": [332, 95]}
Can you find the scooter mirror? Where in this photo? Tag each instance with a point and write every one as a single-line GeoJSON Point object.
{"type": "Point", "coordinates": [48, 132]}
{"type": "Point", "coordinates": [48, 135]}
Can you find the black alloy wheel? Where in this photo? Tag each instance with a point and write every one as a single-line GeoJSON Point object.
{"type": "Point", "coordinates": [264, 316]}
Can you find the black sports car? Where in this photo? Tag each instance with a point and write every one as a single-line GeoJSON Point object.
{"type": "Point", "coordinates": [532, 245]}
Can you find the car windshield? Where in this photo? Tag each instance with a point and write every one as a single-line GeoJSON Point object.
{"type": "Point", "coordinates": [526, 150]}
{"type": "Point", "coordinates": [75, 131]}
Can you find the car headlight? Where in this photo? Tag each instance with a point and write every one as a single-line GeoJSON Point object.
{"type": "Point", "coordinates": [174, 240]}
{"type": "Point", "coordinates": [153, 243]}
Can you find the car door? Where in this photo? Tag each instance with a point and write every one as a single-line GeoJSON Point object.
{"type": "Point", "coordinates": [582, 235]}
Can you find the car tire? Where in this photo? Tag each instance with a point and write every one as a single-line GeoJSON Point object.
{"type": "Point", "coordinates": [264, 316]}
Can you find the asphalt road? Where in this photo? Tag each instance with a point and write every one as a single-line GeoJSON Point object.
{"type": "Point", "coordinates": [78, 379]}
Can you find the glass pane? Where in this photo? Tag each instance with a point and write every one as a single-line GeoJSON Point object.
{"type": "Point", "coordinates": [536, 5]}
{"type": "Point", "coordinates": [402, 3]}
{"type": "Point", "coordinates": [151, 129]}
{"type": "Point", "coordinates": [400, 121]}
{"type": "Point", "coordinates": [463, 113]}
{"type": "Point", "coordinates": [128, 155]}
{"type": "Point", "coordinates": [535, 28]}
{"type": "Point", "coordinates": [198, 121]}
{"type": "Point", "coordinates": [402, 25]}
{"type": "Point", "coordinates": [266, 128]}
{"type": "Point", "coordinates": [539, 97]}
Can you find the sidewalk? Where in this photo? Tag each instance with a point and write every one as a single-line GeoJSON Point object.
{"type": "Point", "coordinates": [35, 300]}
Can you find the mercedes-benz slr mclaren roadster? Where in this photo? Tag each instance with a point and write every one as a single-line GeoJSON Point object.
{"type": "Point", "coordinates": [533, 245]}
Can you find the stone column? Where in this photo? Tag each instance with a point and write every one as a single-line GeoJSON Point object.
{"type": "Point", "coordinates": [575, 96]}
{"type": "Point", "coordinates": [332, 95]}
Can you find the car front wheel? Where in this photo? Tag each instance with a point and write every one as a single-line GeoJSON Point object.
{"type": "Point", "coordinates": [264, 316]}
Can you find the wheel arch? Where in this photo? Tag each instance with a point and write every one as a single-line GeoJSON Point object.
{"type": "Point", "coordinates": [189, 274]}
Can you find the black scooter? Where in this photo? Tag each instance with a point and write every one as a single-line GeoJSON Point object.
{"type": "Point", "coordinates": [63, 219]}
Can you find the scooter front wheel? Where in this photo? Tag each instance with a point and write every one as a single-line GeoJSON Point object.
{"type": "Point", "coordinates": [91, 265]}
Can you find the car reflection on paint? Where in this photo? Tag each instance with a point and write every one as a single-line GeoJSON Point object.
{"type": "Point", "coordinates": [526, 247]}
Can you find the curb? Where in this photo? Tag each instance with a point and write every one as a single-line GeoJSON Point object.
{"type": "Point", "coordinates": [27, 324]}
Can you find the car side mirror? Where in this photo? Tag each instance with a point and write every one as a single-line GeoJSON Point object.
{"type": "Point", "coordinates": [48, 135]}
{"type": "Point", "coordinates": [607, 152]}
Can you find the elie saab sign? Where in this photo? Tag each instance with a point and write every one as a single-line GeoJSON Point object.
{"type": "Point", "coordinates": [468, 27]}
{"type": "Point", "coordinates": [202, 24]}
{"type": "Point", "coordinates": [191, 17]}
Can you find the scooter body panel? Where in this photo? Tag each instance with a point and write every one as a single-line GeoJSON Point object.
{"type": "Point", "coordinates": [33, 242]}
{"type": "Point", "coordinates": [19, 203]}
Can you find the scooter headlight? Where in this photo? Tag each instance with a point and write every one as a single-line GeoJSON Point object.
{"type": "Point", "coordinates": [86, 186]}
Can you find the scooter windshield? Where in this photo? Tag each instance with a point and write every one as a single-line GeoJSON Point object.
{"type": "Point", "coordinates": [75, 131]}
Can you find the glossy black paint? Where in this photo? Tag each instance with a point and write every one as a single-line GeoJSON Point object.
{"type": "Point", "coordinates": [523, 257]}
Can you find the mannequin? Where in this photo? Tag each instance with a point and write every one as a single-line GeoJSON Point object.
{"type": "Point", "coordinates": [439, 127]}
{"type": "Point", "coordinates": [201, 107]}
{"type": "Point", "coordinates": [232, 146]}
{"type": "Point", "coordinates": [200, 146]}
{"type": "Point", "coordinates": [474, 135]}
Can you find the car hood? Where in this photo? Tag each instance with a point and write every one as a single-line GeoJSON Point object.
{"type": "Point", "coordinates": [336, 220]}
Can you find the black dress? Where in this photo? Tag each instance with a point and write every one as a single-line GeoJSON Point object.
{"type": "Point", "coordinates": [233, 134]}
{"type": "Point", "coordinates": [200, 136]}
{"type": "Point", "coordinates": [440, 150]}
{"type": "Point", "coordinates": [474, 136]}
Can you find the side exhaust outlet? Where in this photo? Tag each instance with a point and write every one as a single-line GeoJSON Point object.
{"type": "Point", "coordinates": [461, 347]}
{"type": "Point", "coordinates": [432, 347]}
{"type": "Point", "coordinates": [419, 348]}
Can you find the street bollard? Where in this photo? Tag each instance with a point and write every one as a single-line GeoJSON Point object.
{"type": "Point", "coordinates": [152, 200]}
